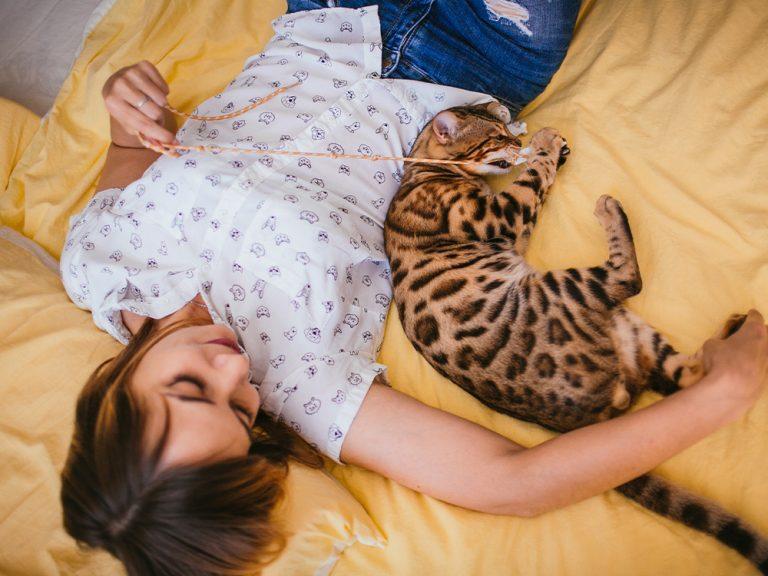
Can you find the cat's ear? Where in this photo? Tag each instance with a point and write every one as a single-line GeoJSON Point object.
{"type": "Point", "coordinates": [446, 126]}
{"type": "Point", "coordinates": [500, 111]}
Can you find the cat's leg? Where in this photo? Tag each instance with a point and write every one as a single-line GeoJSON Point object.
{"type": "Point", "coordinates": [648, 358]}
{"type": "Point", "coordinates": [517, 207]}
{"type": "Point", "coordinates": [623, 272]}
{"type": "Point", "coordinates": [602, 287]}
{"type": "Point", "coordinates": [655, 362]}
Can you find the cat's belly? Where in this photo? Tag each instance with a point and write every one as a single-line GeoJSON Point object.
{"type": "Point", "coordinates": [551, 368]}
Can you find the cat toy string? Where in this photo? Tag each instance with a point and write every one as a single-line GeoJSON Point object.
{"type": "Point", "coordinates": [174, 150]}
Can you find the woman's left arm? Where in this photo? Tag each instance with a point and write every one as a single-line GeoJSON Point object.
{"type": "Point", "coordinates": [430, 451]}
{"type": "Point", "coordinates": [459, 462]}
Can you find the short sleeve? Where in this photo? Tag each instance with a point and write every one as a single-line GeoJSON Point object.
{"type": "Point", "coordinates": [320, 401]}
{"type": "Point", "coordinates": [115, 259]}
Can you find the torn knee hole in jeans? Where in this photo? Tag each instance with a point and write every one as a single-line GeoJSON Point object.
{"type": "Point", "coordinates": [509, 11]}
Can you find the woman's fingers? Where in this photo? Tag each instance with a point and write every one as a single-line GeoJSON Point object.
{"type": "Point", "coordinates": [756, 319]}
{"type": "Point", "coordinates": [147, 119]}
{"type": "Point", "coordinates": [134, 121]}
{"type": "Point", "coordinates": [133, 96]}
{"type": "Point", "coordinates": [142, 81]}
{"type": "Point", "coordinates": [753, 330]}
{"type": "Point", "coordinates": [154, 74]}
{"type": "Point", "coordinates": [755, 314]}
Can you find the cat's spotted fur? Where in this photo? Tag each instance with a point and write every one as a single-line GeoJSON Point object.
{"type": "Point", "coordinates": [556, 348]}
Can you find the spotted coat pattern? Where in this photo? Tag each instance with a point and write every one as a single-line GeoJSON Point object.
{"type": "Point", "coordinates": [553, 347]}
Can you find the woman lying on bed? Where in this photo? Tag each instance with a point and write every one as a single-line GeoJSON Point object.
{"type": "Point", "coordinates": [251, 291]}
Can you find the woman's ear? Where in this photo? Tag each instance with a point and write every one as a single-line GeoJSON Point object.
{"type": "Point", "coordinates": [446, 126]}
{"type": "Point", "coordinates": [500, 111]}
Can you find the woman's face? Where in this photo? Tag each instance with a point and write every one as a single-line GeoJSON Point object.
{"type": "Point", "coordinates": [198, 373]}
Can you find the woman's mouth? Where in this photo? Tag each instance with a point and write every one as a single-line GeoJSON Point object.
{"type": "Point", "coordinates": [226, 342]}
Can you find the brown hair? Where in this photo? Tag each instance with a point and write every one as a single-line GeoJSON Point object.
{"type": "Point", "coordinates": [189, 520]}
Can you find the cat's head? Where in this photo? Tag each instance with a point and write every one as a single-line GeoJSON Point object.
{"type": "Point", "coordinates": [478, 133]}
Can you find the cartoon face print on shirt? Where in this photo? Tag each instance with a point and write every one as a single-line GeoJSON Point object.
{"type": "Point", "coordinates": [312, 406]}
{"type": "Point", "coordinates": [313, 334]}
{"type": "Point", "coordinates": [334, 433]}
{"type": "Point", "coordinates": [288, 250]}
{"type": "Point", "coordinates": [238, 292]}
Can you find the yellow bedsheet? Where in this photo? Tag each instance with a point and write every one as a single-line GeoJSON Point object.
{"type": "Point", "coordinates": [17, 126]}
{"type": "Point", "coordinates": [665, 106]}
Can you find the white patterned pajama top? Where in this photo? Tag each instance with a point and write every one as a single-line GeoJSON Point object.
{"type": "Point", "coordinates": [288, 251]}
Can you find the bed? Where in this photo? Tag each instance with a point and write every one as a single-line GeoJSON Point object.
{"type": "Point", "coordinates": [665, 106]}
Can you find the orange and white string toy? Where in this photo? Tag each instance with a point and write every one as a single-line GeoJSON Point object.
{"type": "Point", "coordinates": [173, 149]}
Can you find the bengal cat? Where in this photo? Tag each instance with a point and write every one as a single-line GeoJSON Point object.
{"type": "Point", "coordinates": [556, 348]}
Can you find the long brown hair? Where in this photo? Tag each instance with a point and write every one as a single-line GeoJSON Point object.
{"type": "Point", "coordinates": [191, 520]}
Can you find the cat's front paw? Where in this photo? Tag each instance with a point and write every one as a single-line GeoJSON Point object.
{"type": "Point", "coordinates": [550, 142]}
{"type": "Point", "coordinates": [547, 139]}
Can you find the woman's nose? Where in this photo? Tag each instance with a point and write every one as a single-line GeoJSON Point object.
{"type": "Point", "coordinates": [232, 369]}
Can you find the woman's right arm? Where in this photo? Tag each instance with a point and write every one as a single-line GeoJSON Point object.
{"type": "Point", "coordinates": [127, 159]}
{"type": "Point", "coordinates": [459, 462]}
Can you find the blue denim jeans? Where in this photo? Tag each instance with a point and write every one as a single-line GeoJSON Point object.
{"type": "Point", "coordinates": [509, 49]}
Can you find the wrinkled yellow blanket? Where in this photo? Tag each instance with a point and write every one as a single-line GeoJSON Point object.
{"type": "Point", "coordinates": [665, 106]}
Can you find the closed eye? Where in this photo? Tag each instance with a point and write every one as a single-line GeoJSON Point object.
{"type": "Point", "coordinates": [196, 382]}
{"type": "Point", "coordinates": [250, 417]}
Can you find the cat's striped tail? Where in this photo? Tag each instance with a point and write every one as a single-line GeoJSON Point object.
{"type": "Point", "coordinates": [655, 493]}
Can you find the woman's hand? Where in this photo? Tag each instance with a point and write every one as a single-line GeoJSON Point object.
{"type": "Point", "coordinates": [740, 362]}
{"type": "Point", "coordinates": [127, 158]}
{"type": "Point", "coordinates": [124, 91]}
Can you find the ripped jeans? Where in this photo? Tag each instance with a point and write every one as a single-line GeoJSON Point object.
{"type": "Point", "coordinates": [509, 49]}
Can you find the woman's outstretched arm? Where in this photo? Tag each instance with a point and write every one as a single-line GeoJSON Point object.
{"type": "Point", "coordinates": [459, 462]}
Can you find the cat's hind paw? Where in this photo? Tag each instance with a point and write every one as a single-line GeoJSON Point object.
{"type": "Point", "coordinates": [607, 208]}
